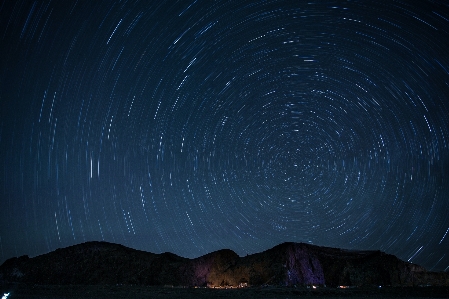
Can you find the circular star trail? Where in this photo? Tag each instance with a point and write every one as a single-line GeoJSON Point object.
{"type": "Point", "coordinates": [192, 126]}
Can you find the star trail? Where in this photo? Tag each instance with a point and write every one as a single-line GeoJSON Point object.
{"type": "Point", "coordinates": [192, 126]}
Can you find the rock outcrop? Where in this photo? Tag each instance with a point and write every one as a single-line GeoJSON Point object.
{"type": "Point", "coordinates": [287, 264]}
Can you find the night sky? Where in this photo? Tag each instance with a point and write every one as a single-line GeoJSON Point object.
{"type": "Point", "coordinates": [192, 126]}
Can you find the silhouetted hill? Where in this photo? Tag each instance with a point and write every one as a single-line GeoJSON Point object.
{"type": "Point", "coordinates": [287, 264]}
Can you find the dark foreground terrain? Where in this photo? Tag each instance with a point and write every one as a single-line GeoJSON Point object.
{"type": "Point", "coordinates": [141, 292]}
{"type": "Point", "coordinates": [287, 264]}
{"type": "Point", "coordinates": [103, 270]}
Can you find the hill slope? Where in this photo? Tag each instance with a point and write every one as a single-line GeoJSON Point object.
{"type": "Point", "coordinates": [286, 264]}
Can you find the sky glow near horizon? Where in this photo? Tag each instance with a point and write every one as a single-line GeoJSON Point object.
{"type": "Point", "coordinates": [193, 126]}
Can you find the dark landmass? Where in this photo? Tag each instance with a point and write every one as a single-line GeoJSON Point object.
{"type": "Point", "coordinates": [289, 268]}
{"type": "Point", "coordinates": [272, 292]}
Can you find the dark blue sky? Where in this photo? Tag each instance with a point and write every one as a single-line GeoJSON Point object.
{"type": "Point", "coordinates": [192, 126]}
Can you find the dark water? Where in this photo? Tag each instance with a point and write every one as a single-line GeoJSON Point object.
{"type": "Point", "coordinates": [112, 292]}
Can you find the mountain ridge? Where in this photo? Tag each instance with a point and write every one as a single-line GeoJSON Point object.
{"type": "Point", "coordinates": [286, 264]}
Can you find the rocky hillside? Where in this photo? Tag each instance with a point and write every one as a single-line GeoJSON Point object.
{"type": "Point", "coordinates": [285, 265]}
